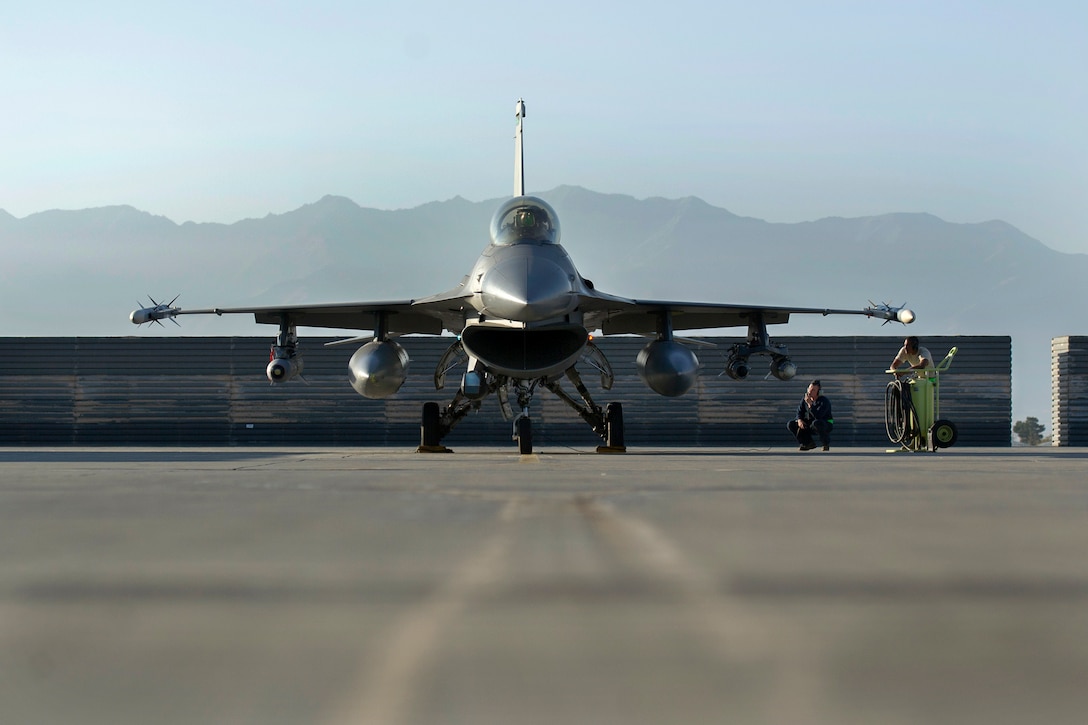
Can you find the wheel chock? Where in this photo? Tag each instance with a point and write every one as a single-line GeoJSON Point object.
{"type": "Point", "coordinates": [434, 449]}
{"type": "Point", "coordinates": [611, 449]}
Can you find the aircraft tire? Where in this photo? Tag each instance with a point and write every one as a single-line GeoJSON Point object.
{"type": "Point", "coordinates": [525, 436]}
{"type": "Point", "coordinates": [428, 430]}
{"type": "Point", "coordinates": [943, 433]}
{"type": "Point", "coordinates": [613, 420]}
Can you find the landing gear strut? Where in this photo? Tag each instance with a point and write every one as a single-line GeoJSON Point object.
{"type": "Point", "coordinates": [523, 424]}
{"type": "Point", "coordinates": [607, 423]}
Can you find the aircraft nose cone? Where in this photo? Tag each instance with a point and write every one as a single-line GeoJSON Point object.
{"type": "Point", "coordinates": [525, 289]}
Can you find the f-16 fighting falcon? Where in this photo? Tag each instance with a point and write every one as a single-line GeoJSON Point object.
{"type": "Point", "coordinates": [523, 319]}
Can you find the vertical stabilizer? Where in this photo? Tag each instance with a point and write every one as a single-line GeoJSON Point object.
{"type": "Point", "coordinates": [519, 154]}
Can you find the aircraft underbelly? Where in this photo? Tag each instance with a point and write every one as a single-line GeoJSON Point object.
{"type": "Point", "coordinates": [525, 353]}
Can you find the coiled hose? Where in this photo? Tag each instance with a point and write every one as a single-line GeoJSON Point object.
{"type": "Point", "coordinates": [900, 420]}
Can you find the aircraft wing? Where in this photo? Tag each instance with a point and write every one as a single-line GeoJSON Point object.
{"type": "Point", "coordinates": [430, 316]}
{"type": "Point", "coordinates": [616, 315]}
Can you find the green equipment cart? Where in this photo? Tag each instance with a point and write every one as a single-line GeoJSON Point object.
{"type": "Point", "coordinates": [912, 409]}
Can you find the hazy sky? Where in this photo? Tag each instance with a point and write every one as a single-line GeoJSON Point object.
{"type": "Point", "coordinates": [786, 111]}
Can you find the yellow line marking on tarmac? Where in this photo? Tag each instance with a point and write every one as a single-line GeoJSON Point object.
{"type": "Point", "coordinates": [731, 629]}
{"type": "Point", "coordinates": [386, 697]}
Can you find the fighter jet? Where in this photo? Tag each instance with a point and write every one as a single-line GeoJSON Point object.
{"type": "Point", "coordinates": [523, 319]}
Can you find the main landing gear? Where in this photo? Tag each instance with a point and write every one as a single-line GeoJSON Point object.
{"type": "Point", "coordinates": [607, 423]}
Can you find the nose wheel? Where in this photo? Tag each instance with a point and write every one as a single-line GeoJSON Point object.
{"type": "Point", "coordinates": [523, 433]}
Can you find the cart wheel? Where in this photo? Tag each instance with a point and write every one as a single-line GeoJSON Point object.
{"type": "Point", "coordinates": [943, 433]}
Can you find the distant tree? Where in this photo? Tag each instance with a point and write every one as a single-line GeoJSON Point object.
{"type": "Point", "coordinates": [1030, 430]}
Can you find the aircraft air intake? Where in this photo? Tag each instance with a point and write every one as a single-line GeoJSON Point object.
{"type": "Point", "coordinates": [524, 353]}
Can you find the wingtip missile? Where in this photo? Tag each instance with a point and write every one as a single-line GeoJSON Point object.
{"type": "Point", "coordinates": [156, 312]}
{"type": "Point", "coordinates": [890, 313]}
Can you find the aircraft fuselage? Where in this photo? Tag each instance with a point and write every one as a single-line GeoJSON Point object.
{"type": "Point", "coordinates": [525, 293]}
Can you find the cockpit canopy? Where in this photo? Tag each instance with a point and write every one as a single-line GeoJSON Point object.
{"type": "Point", "coordinates": [525, 219]}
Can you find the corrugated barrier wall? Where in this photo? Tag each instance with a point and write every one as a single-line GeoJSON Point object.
{"type": "Point", "coordinates": [212, 391]}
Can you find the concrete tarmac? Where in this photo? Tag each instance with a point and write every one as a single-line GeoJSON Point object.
{"type": "Point", "coordinates": [258, 585]}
